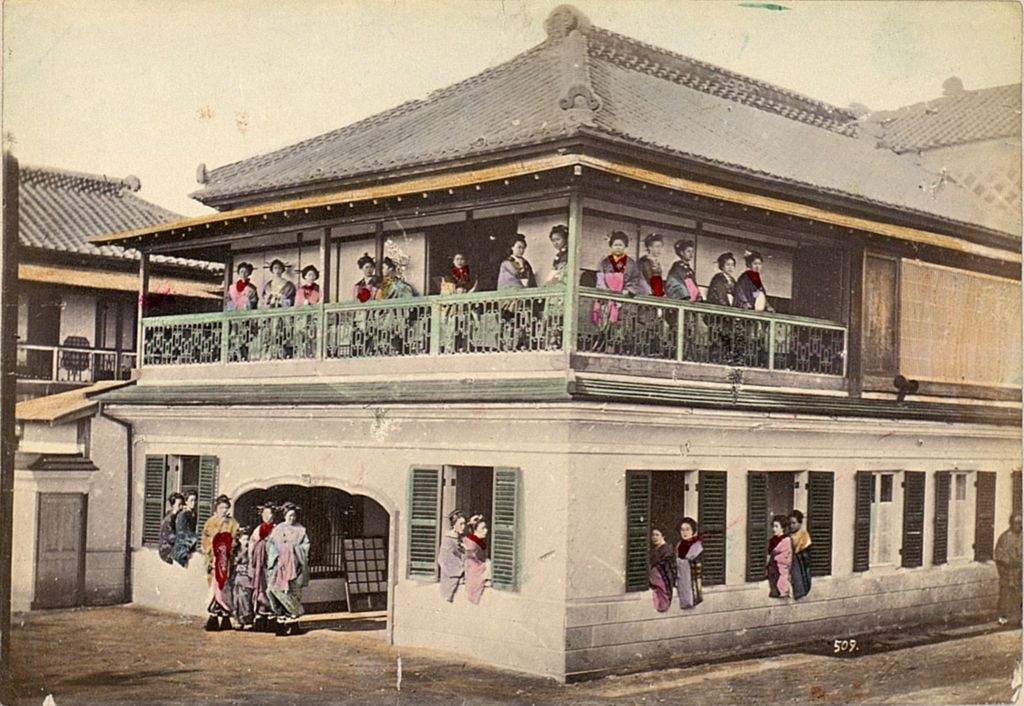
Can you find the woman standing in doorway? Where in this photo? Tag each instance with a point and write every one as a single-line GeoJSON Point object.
{"type": "Point", "coordinates": [663, 571]}
{"type": "Point", "coordinates": [288, 564]}
{"type": "Point", "coordinates": [475, 546]}
{"type": "Point", "coordinates": [167, 533]}
{"type": "Point", "coordinates": [220, 532]}
{"type": "Point", "coordinates": [689, 564]}
{"type": "Point", "coordinates": [451, 556]}
{"type": "Point", "coordinates": [800, 573]}
{"type": "Point", "coordinates": [780, 557]}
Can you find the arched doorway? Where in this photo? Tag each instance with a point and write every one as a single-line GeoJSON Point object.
{"type": "Point", "coordinates": [348, 548]}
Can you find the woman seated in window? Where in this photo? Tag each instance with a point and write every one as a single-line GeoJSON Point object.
{"type": "Point", "coordinates": [309, 292]}
{"type": "Point", "coordinates": [689, 564]}
{"type": "Point", "coordinates": [663, 571]}
{"type": "Point", "coordinates": [780, 557]}
{"type": "Point", "coordinates": [392, 286]}
{"type": "Point", "coordinates": [185, 538]}
{"type": "Point", "coordinates": [366, 289]}
{"type": "Point", "coordinates": [475, 547]}
{"type": "Point", "coordinates": [650, 263]}
{"type": "Point", "coordinates": [720, 291]}
{"type": "Point", "coordinates": [749, 292]}
{"type": "Point", "coordinates": [279, 291]}
{"type": "Point", "coordinates": [800, 573]}
{"type": "Point", "coordinates": [243, 295]}
{"type": "Point", "coordinates": [451, 556]}
{"type": "Point", "coordinates": [459, 280]}
{"type": "Point", "coordinates": [682, 279]}
{"type": "Point", "coordinates": [516, 272]}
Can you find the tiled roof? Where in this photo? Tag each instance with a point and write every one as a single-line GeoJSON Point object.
{"type": "Point", "coordinates": [585, 80]}
{"type": "Point", "coordinates": [956, 118]}
{"type": "Point", "coordinates": [60, 210]}
{"type": "Point", "coordinates": [65, 405]}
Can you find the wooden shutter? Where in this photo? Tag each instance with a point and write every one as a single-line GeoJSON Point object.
{"type": "Point", "coordinates": [209, 467]}
{"type": "Point", "coordinates": [940, 550]}
{"type": "Point", "coordinates": [638, 529]}
{"type": "Point", "coordinates": [820, 491]}
{"type": "Point", "coordinates": [154, 492]}
{"type": "Point", "coordinates": [985, 516]}
{"type": "Point", "coordinates": [862, 521]}
{"type": "Point", "coordinates": [757, 526]}
{"type": "Point", "coordinates": [505, 530]}
{"type": "Point", "coordinates": [424, 521]}
{"type": "Point", "coordinates": [1016, 492]}
{"type": "Point", "coordinates": [913, 519]}
{"type": "Point", "coordinates": [881, 315]}
{"type": "Point", "coordinates": [711, 512]}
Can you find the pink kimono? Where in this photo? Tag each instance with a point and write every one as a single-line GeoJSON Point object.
{"type": "Point", "coordinates": [308, 294]}
{"type": "Point", "coordinates": [780, 559]}
{"type": "Point", "coordinates": [476, 567]}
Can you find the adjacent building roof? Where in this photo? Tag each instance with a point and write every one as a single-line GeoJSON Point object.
{"type": "Point", "coordinates": [61, 210]}
{"type": "Point", "coordinates": [53, 462]}
{"type": "Point", "coordinates": [65, 406]}
{"type": "Point", "coordinates": [957, 117]}
{"type": "Point", "coordinates": [588, 81]}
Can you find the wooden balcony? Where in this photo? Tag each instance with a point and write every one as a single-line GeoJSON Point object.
{"type": "Point", "coordinates": [72, 365]}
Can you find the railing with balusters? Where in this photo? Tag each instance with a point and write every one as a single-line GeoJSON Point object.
{"type": "Point", "coordinates": [72, 364]}
{"type": "Point", "coordinates": [507, 321]}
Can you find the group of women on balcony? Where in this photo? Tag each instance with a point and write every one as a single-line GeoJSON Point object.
{"type": "Point", "coordinates": [278, 291]}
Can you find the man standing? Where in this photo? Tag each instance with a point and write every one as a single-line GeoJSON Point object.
{"type": "Point", "coordinates": [1008, 562]}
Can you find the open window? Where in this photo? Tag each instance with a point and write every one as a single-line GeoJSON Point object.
{"type": "Point", "coordinates": [177, 473]}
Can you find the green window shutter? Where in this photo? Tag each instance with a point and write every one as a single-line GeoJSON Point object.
{"type": "Point", "coordinates": [154, 497]}
{"type": "Point", "coordinates": [985, 516]}
{"type": "Point", "coordinates": [820, 492]}
{"type": "Point", "coordinates": [940, 550]}
{"type": "Point", "coordinates": [757, 526]}
{"type": "Point", "coordinates": [209, 468]}
{"type": "Point", "coordinates": [913, 519]}
{"type": "Point", "coordinates": [1016, 492]}
{"type": "Point", "coordinates": [862, 521]}
{"type": "Point", "coordinates": [424, 521]}
{"type": "Point", "coordinates": [638, 529]}
{"type": "Point", "coordinates": [711, 511]}
{"type": "Point", "coordinates": [505, 530]}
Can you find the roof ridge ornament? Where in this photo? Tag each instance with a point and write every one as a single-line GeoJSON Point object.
{"type": "Point", "coordinates": [578, 97]}
{"type": "Point", "coordinates": [563, 20]}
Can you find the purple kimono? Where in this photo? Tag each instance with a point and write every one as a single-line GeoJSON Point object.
{"type": "Point", "coordinates": [258, 567]}
{"type": "Point", "coordinates": [622, 275]}
{"type": "Point", "coordinates": [476, 567]}
{"type": "Point", "coordinates": [451, 561]}
{"type": "Point", "coordinates": [241, 587]}
{"type": "Point", "coordinates": [516, 273]}
{"type": "Point", "coordinates": [780, 559]}
{"type": "Point", "coordinates": [662, 576]}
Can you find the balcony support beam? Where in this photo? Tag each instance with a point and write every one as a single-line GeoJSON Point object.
{"type": "Point", "coordinates": [571, 276]}
{"type": "Point", "coordinates": [143, 296]}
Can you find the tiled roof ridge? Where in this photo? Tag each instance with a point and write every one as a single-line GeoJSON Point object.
{"type": "Point", "coordinates": [258, 161]}
{"type": "Point", "coordinates": [55, 177]}
{"type": "Point", "coordinates": [931, 102]}
{"type": "Point", "coordinates": [621, 50]}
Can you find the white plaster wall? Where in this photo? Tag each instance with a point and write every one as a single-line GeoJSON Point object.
{"type": "Point", "coordinates": [42, 437]}
{"type": "Point", "coordinates": [104, 566]}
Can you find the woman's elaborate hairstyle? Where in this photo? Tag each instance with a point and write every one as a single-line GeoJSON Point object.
{"type": "Point", "coordinates": [222, 500]}
{"type": "Point", "coordinates": [453, 517]}
{"type": "Point", "coordinates": [618, 235]}
{"type": "Point", "coordinates": [517, 238]}
{"type": "Point", "coordinates": [724, 258]}
{"type": "Point", "coordinates": [175, 496]}
{"type": "Point", "coordinates": [752, 255]}
{"type": "Point", "coordinates": [246, 265]}
{"type": "Point", "coordinates": [681, 245]}
{"type": "Point", "coordinates": [364, 260]}
{"type": "Point", "coordinates": [455, 255]}
{"type": "Point", "coordinates": [781, 519]}
{"type": "Point", "coordinates": [275, 261]}
{"type": "Point", "coordinates": [475, 521]}
{"type": "Point", "coordinates": [560, 230]}
{"type": "Point", "coordinates": [652, 239]}
{"type": "Point", "coordinates": [389, 264]}
{"type": "Point", "coordinates": [290, 507]}
{"type": "Point", "coordinates": [191, 494]}
{"type": "Point", "coordinates": [798, 516]}
{"type": "Point", "coordinates": [690, 521]}
{"type": "Point", "coordinates": [310, 268]}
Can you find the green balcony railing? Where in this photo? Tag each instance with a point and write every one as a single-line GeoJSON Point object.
{"type": "Point", "coordinates": [509, 321]}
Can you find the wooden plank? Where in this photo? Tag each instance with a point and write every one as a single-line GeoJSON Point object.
{"type": "Point", "coordinates": [880, 322]}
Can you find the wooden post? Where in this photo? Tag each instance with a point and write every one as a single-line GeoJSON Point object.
{"type": "Point", "coordinates": [140, 337]}
{"type": "Point", "coordinates": [855, 304]}
{"type": "Point", "coordinates": [325, 265]}
{"type": "Point", "coordinates": [229, 279]}
{"type": "Point", "coordinates": [8, 388]}
{"type": "Point", "coordinates": [571, 275]}
{"type": "Point", "coordinates": [378, 252]}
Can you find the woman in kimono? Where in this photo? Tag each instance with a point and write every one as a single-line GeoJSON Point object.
{"type": "Point", "coordinates": [650, 264]}
{"type": "Point", "coordinates": [366, 289]}
{"type": "Point", "coordinates": [682, 279]}
{"type": "Point", "coordinates": [459, 280]}
{"type": "Point", "coordinates": [663, 571]}
{"type": "Point", "coordinates": [278, 292]}
{"type": "Point", "coordinates": [516, 272]}
{"type": "Point", "coordinates": [559, 238]}
{"type": "Point", "coordinates": [1008, 563]}
{"type": "Point", "coordinates": [241, 581]}
{"type": "Point", "coordinates": [689, 564]}
{"type": "Point", "coordinates": [220, 532]}
{"type": "Point", "coordinates": [475, 546]}
{"type": "Point", "coordinates": [451, 556]}
{"type": "Point", "coordinates": [618, 273]}
{"type": "Point", "coordinates": [242, 294]}
{"type": "Point", "coordinates": [749, 292]}
{"type": "Point", "coordinates": [167, 533]}
{"type": "Point", "coordinates": [185, 538]}
{"type": "Point", "coordinates": [780, 558]}
{"type": "Point", "coordinates": [800, 573]}
{"type": "Point", "coordinates": [258, 568]}
{"type": "Point", "coordinates": [288, 570]}
{"type": "Point", "coordinates": [309, 292]}
{"type": "Point", "coordinates": [720, 291]}
{"type": "Point", "coordinates": [392, 286]}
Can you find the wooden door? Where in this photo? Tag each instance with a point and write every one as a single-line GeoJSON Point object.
{"type": "Point", "coordinates": [60, 547]}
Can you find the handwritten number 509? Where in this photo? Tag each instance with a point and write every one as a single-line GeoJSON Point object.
{"type": "Point", "coordinates": [844, 646]}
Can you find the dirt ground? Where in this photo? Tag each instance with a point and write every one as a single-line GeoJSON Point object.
{"type": "Point", "coordinates": [127, 655]}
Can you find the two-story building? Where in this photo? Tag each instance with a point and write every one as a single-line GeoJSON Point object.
{"type": "Point", "coordinates": [577, 418]}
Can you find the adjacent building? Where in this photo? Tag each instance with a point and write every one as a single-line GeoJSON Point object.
{"type": "Point", "coordinates": [879, 392]}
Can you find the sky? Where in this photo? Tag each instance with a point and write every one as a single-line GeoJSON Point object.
{"type": "Point", "coordinates": [156, 87]}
